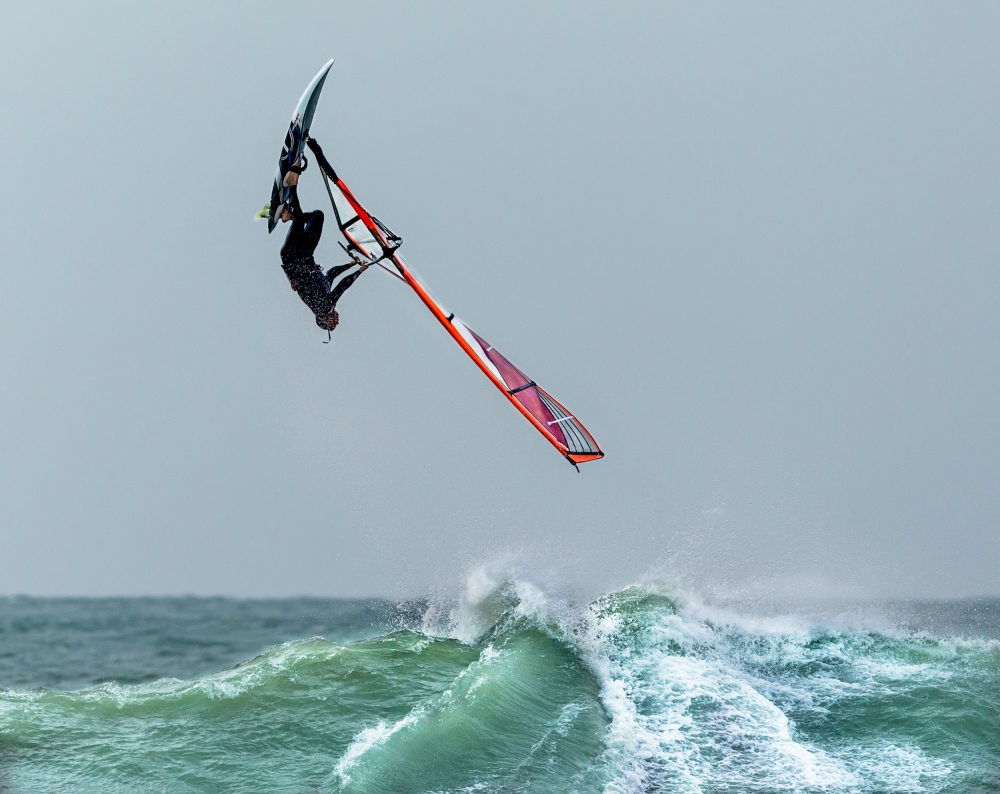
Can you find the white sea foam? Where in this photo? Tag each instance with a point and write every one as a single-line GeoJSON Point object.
{"type": "Point", "coordinates": [697, 700]}
{"type": "Point", "coordinates": [683, 722]}
{"type": "Point", "coordinates": [902, 769]}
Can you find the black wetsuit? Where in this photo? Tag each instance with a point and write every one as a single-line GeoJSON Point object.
{"type": "Point", "coordinates": [306, 277]}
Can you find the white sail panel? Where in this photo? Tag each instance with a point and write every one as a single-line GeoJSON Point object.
{"type": "Point", "coordinates": [351, 224]}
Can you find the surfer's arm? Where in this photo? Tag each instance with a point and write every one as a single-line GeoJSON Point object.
{"type": "Point", "coordinates": [321, 158]}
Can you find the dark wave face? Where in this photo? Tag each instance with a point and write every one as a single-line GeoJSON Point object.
{"type": "Point", "coordinates": [506, 690]}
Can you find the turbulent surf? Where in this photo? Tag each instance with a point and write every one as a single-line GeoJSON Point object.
{"type": "Point", "coordinates": [505, 690]}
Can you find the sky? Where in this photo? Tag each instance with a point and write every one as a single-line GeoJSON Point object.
{"type": "Point", "coordinates": [754, 247]}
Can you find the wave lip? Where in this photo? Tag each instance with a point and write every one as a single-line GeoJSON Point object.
{"type": "Point", "coordinates": [523, 716]}
{"type": "Point", "coordinates": [369, 738]}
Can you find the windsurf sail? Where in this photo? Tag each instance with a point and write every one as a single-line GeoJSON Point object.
{"type": "Point", "coordinates": [370, 241]}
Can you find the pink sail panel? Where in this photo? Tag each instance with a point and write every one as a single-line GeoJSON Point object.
{"type": "Point", "coordinates": [522, 389]}
{"type": "Point", "coordinates": [513, 376]}
{"type": "Point", "coordinates": [532, 401]}
{"type": "Point", "coordinates": [577, 442]}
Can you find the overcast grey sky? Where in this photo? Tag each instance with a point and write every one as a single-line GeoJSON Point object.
{"type": "Point", "coordinates": [753, 246]}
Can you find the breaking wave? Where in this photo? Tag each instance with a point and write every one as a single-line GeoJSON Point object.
{"type": "Point", "coordinates": [511, 689]}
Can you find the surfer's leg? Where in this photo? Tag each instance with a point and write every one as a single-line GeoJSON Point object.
{"type": "Point", "coordinates": [333, 272]}
{"type": "Point", "coordinates": [341, 288]}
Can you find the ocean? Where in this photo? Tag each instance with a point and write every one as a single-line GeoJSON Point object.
{"type": "Point", "coordinates": [507, 688]}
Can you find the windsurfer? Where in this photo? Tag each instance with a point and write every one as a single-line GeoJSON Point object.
{"type": "Point", "coordinates": [314, 287]}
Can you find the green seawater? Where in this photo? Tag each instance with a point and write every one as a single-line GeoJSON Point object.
{"type": "Point", "coordinates": [643, 690]}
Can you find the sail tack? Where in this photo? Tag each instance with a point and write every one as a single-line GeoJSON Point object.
{"type": "Point", "coordinates": [369, 240]}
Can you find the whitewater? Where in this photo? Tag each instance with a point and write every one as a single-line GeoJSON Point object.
{"type": "Point", "coordinates": [507, 688]}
